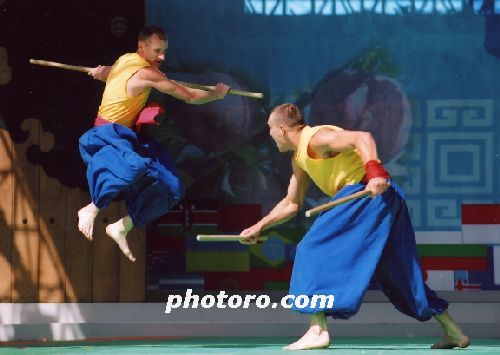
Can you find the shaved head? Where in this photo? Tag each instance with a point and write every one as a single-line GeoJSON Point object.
{"type": "Point", "coordinates": [147, 32]}
{"type": "Point", "coordinates": [288, 115]}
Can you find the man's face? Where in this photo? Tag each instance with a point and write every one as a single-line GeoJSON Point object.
{"type": "Point", "coordinates": [153, 50]}
{"type": "Point", "coordinates": [276, 131]}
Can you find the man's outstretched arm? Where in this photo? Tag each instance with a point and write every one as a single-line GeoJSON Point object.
{"type": "Point", "coordinates": [149, 77]}
{"type": "Point", "coordinates": [286, 208]}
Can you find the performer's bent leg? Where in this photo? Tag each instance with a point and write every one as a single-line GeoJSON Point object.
{"type": "Point", "coordinates": [109, 173]}
{"type": "Point", "coordinates": [399, 276]}
{"type": "Point", "coordinates": [338, 257]}
{"type": "Point", "coordinates": [155, 193]}
{"type": "Point", "coordinates": [114, 161]}
{"type": "Point", "coordinates": [148, 200]}
{"type": "Point", "coordinates": [348, 242]}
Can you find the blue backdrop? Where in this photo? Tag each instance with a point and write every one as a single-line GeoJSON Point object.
{"type": "Point", "coordinates": [422, 76]}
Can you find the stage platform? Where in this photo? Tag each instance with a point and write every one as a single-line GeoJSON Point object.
{"type": "Point", "coordinates": [477, 313]}
{"type": "Point", "coordinates": [246, 345]}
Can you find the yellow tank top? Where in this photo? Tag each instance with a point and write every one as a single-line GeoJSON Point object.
{"type": "Point", "coordinates": [330, 174]}
{"type": "Point", "coordinates": [116, 105]}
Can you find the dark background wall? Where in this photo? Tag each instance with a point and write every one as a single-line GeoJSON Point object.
{"type": "Point", "coordinates": [75, 32]}
{"type": "Point", "coordinates": [43, 111]}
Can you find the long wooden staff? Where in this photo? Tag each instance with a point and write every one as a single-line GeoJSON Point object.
{"type": "Point", "coordinates": [224, 238]}
{"type": "Point", "coordinates": [47, 63]}
{"type": "Point", "coordinates": [326, 206]}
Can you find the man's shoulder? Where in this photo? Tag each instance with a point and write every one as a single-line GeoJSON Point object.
{"type": "Point", "coordinates": [149, 73]}
{"type": "Point", "coordinates": [323, 134]}
{"type": "Point", "coordinates": [143, 77]}
{"type": "Point", "coordinates": [327, 128]}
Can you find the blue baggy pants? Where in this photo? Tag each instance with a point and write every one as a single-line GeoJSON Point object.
{"type": "Point", "coordinates": [352, 242]}
{"type": "Point", "coordinates": [118, 160]}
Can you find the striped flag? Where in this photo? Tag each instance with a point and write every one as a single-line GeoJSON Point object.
{"type": "Point", "coordinates": [481, 224]}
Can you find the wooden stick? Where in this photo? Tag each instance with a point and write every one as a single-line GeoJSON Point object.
{"type": "Point", "coordinates": [224, 238]}
{"type": "Point", "coordinates": [326, 206]}
{"type": "Point", "coordinates": [255, 95]}
{"type": "Point", "coordinates": [48, 63]}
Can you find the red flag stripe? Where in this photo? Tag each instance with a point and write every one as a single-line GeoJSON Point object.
{"type": "Point", "coordinates": [435, 263]}
{"type": "Point", "coordinates": [481, 214]}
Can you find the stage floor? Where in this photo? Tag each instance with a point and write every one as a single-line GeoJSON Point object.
{"type": "Point", "coordinates": [241, 345]}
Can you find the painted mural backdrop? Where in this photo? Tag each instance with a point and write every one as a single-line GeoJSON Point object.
{"type": "Point", "coordinates": [422, 76]}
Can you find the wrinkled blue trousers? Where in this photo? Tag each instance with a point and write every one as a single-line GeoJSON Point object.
{"type": "Point", "coordinates": [118, 160]}
{"type": "Point", "coordinates": [353, 242]}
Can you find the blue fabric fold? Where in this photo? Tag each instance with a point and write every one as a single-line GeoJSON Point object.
{"type": "Point", "coordinates": [352, 242]}
{"type": "Point", "coordinates": [118, 160]}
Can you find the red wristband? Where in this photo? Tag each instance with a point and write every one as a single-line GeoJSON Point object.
{"type": "Point", "coordinates": [374, 168]}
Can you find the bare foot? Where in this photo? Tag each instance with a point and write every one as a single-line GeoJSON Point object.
{"type": "Point", "coordinates": [313, 339]}
{"type": "Point", "coordinates": [448, 342]}
{"type": "Point", "coordinates": [86, 217]}
{"type": "Point", "coordinates": [453, 335]}
{"type": "Point", "coordinates": [118, 231]}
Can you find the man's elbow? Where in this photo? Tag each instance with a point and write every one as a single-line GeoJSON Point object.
{"type": "Point", "coordinates": [365, 137]}
{"type": "Point", "coordinates": [294, 208]}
